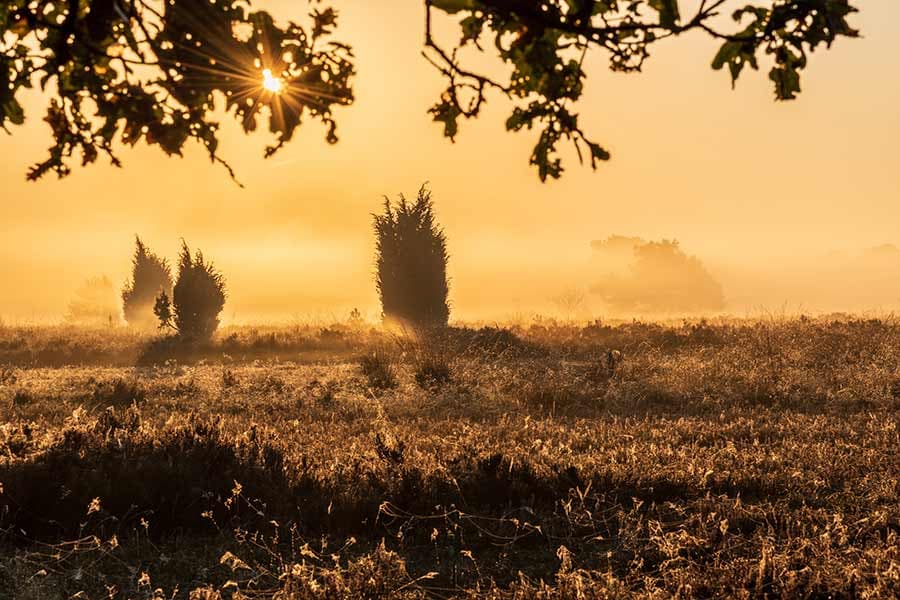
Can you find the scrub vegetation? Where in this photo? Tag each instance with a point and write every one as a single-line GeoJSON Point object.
{"type": "Point", "coordinates": [753, 459]}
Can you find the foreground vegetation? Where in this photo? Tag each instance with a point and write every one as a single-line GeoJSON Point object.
{"type": "Point", "coordinates": [744, 459]}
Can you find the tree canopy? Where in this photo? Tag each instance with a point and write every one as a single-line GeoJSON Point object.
{"type": "Point", "coordinates": [122, 71]}
{"type": "Point", "coordinates": [544, 44]}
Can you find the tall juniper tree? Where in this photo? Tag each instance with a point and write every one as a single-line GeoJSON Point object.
{"type": "Point", "coordinates": [411, 262]}
{"type": "Point", "coordinates": [150, 275]}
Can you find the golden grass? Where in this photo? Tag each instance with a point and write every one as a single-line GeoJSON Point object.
{"type": "Point", "coordinates": [742, 459]}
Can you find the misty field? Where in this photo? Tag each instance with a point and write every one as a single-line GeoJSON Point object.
{"type": "Point", "coordinates": [752, 459]}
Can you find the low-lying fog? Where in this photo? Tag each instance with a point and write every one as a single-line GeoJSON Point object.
{"type": "Point", "coordinates": [613, 277]}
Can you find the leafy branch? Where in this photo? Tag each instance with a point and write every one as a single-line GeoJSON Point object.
{"type": "Point", "coordinates": [126, 71]}
{"type": "Point", "coordinates": [543, 44]}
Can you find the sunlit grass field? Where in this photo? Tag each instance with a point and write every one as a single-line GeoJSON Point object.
{"type": "Point", "coordinates": [751, 459]}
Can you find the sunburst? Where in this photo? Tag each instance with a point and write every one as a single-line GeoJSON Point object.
{"type": "Point", "coordinates": [271, 83]}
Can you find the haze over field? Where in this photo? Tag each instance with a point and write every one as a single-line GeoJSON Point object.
{"type": "Point", "coordinates": [400, 368]}
{"type": "Point", "coordinates": [786, 205]}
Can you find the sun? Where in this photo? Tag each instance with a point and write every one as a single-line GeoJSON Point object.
{"type": "Point", "coordinates": [271, 83]}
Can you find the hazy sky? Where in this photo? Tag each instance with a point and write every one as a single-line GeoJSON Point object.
{"type": "Point", "coordinates": [734, 176]}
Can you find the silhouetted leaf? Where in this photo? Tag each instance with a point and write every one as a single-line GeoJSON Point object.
{"type": "Point", "coordinates": [787, 82]}
{"type": "Point", "coordinates": [454, 6]}
{"type": "Point", "coordinates": [668, 11]}
{"type": "Point", "coordinates": [597, 153]}
{"type": "Point", "coordinates": [447, 112]}
{"type": "Point", "coordinates": [13, 112]}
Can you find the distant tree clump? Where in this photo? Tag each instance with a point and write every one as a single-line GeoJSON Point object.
{"type": "Point", "coordinates": [196, 301]}
{"type": "Point", "coordinates": [94, 303]}
{"type": "Point", "coordinates": [150, 275]}
{"type": "Point", "coordinates": [661, 278]}
{"type": "Point", "coordinates": [570, 302]}
{"type": "Point", "coordinates": [412, 263]}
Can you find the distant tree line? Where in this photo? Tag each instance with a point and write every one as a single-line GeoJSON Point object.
{"type": "Point", "coordinates": [411, 259]}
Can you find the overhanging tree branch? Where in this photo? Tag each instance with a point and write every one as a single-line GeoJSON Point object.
{"type": "Point", "coordinates": [126, 71]}
{"type": "Point", "coordinates": [534, 39]}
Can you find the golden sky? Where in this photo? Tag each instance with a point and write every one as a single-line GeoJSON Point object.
{"type": "Point", "coordinates": [737, 178]}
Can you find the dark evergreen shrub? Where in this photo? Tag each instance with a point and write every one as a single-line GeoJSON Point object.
{"type": "Point", "coordinates": [411, 263]}
{"type": "Point", "coordinates": [150, 275]}
{"type": "Point", "coordinates": [197, 298]}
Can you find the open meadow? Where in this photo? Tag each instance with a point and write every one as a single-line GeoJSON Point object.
{"type": "Point", "coordinates": [749, 459]}
{"type": "Point", "coordinates": [536, 245]}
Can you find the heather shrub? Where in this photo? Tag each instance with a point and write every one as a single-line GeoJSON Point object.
{"type": "Point", "coordinates": [411, 261]}
{"type": "Point", "coordinates": [197, 298]}
{"type": "Point", "coordinates": [150, 275]}
{"type": "Point", "coordinates": [22, 398]}
{"type": "Point", "coordinates": [378, 369]}
{"type": "Point", "coordinates": [8, 376]}
{"type": "Point", "coordinates": [118, 392]}
{"type": "Point", "coordinates": [432, 371]}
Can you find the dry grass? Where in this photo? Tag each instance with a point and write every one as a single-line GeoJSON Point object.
{"type": "Point", "coordinates": [741, 459]}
